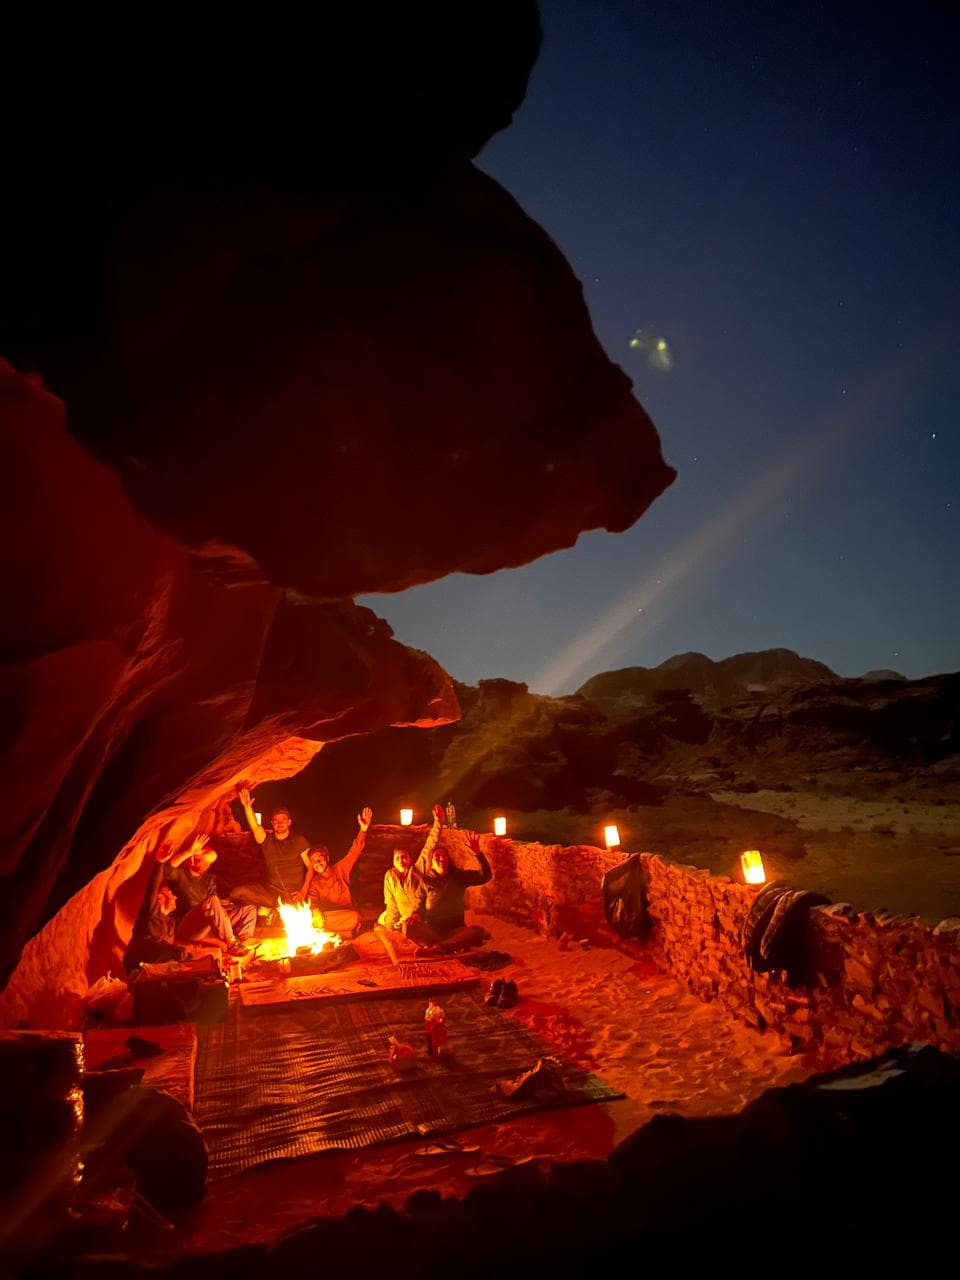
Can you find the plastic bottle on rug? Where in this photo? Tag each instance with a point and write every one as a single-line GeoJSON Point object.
{"type": "Point", "coordinates": [401, 1055]}
{"type": "Point", "coordinates": [451, 814]}
{"type": "Point", "coordinates": [436, 1031]}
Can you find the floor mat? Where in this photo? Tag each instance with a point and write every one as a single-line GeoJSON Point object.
{"type": "Point", "coordinates": [358, 982]}
{"type": "Point", "coordinates": [306, 1079]}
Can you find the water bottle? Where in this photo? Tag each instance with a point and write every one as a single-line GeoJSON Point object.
{"type": "Point", "coordinates": [451, 814]}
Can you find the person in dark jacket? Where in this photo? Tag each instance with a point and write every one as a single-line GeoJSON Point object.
{"type": "Point", "coordinates": [443, 927]}
{"type": "Point", "coordinates": [152, 939]}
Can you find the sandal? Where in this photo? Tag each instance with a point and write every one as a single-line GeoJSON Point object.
{"type": "Point", "coordinates": [442, 1148]}
{"type": "Point", "coordinates": [497, 1164]}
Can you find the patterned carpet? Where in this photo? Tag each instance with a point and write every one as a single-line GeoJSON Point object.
{"type": "Point", "coordinates": [306, 1079]}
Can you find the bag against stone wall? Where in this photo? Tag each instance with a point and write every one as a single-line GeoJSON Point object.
{"type": "Point", "coordinates": [625, 899]}
{"type": "Point", "coordinates": [776, 932]}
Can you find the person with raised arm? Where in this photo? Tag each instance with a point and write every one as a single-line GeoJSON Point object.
{"type": "Point", "coordinates": [327, 886]}
{"type": "Point", "coordinates": [200, 912]}
{"type": "Point", "coordinates": [283, 852]}
{"type": "Point", "coordinates": [404, 893]}
{"type": "Point", "coordinates": [442, 926]}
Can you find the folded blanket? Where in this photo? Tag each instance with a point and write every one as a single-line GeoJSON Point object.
{"type": "Point", "coordinates": [776, 933]}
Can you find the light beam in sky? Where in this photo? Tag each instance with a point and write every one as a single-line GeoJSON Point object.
{"type": "Point", "coordinates": [647, 603]}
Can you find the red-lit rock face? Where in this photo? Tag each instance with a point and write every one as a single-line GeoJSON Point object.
{"type": "Point", "coordinates": [137, 691]}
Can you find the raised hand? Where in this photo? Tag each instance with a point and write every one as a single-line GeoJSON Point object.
{"type": "Point", "coordinates": [473, 840]}
{"type": "Point", "coordinates": [245, 797]}
{"type": "Point", "coordinates": [438, 813]}
{"type": "Point", "coordinates": [199, 845]}
{"type": "Point", "coordinates": [364, 818]}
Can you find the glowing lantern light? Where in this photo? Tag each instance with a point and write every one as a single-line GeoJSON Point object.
{"type": "Point", "coordinates": [499, 826]}
{"type": "Point", "coordinates": [752, 866]}
{"type": "Point", "coordinates": [611, 836]}
{"type": "Point", "coordinates": [406, 817]}
{"type": "Point", "coordinates": [259, 818]}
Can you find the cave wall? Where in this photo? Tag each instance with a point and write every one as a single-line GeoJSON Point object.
{"type": "Point", "coordinates": [137, 691]}
{"type": "Point", "coordinates": [876, 981]}
{"type": "Point", "coordinates": [274, 341]}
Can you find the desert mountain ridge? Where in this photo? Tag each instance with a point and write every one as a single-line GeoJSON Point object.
{"type": "Point", "coordinates": [844, 781]}
{"type": "Point", "coordinates": [757, 672]}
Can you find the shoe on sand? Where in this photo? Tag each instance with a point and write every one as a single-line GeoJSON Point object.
{"type": "Point", "coordinates": [444, 1148]}
{"type": "Point", "coordinates": [497, 1164]}
{"type": "Point", "coordinates": [508, 995]}
{"type": "Point", "coordinates": [495, 992]}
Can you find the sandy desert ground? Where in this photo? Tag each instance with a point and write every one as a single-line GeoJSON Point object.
{"type": "Point", "coordinates": [898, 850]}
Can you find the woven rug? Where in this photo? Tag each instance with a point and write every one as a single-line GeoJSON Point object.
{"type": "Point", "coordinates": [359, 982]}
{"type": "Point", "coordinates": [306, 1079]}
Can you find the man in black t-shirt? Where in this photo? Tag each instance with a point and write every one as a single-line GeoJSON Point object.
{"type": "Point", "coordinates": [283, 850]}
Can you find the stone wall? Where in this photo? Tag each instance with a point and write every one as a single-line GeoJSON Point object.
{"type": "Point", "coordinates": [875, 981]}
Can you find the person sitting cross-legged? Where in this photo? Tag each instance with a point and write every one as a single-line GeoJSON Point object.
{"type": "Point", "coordinates": [327, 886]}
{"type": "Point", "coordinates": [152, 939]}
{"type": "Point", "coordinates": [200, 912]}
{"type": "Point", "coordinates": [404, 894]}
{"type": "Point", "coordinates": [442, 926]}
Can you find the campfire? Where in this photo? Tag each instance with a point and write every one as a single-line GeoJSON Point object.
{"type": "Point", "coordinates": [301, 936]}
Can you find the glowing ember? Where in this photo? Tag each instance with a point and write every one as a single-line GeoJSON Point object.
{"type": "Point", "coordinates": [499, 826]}
{"type": "Point", "coordinates": [751, 864]}
{"type": "Point", "coordinates": [611, 836]}
{"type": "Point", "coordinates": [301, 934]}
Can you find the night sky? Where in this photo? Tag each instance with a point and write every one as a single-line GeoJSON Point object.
{"type": "Point", "coordinates": [771, 194]}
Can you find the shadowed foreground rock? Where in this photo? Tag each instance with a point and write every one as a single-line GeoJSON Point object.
{"type": "Point", "coordinates": [843, 1167]}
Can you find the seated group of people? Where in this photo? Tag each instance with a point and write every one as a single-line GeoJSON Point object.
{"type": "Point", "coordinates": [423, 897]}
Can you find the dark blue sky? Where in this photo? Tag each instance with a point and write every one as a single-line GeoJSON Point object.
{"type": "Point", "coordinates": [773, 191]}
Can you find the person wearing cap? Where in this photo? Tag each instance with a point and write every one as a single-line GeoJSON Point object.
{"type": "Point", "coordinates": [283, 851]}
{"type": "Point", "coordinates": [327, 886]}
{"type": "Point", "coordinates": [200, 912]}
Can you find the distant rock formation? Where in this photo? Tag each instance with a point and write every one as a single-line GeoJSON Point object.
{"type": "Point", "coordinates": [631, 737]}
{"type": "Point", "coordinates": [770, 669]}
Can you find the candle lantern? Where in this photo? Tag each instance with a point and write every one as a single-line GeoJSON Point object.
{"type": "Point", "coordinates": [751, 864]}
{"type": "Point", "coordinates": [406, 817]}
{"type": "Point", "coordinates": [499, 826]}
{"type": "Point", "coordinates": [259, 818]}
{"type": "Point", "coordinates": [611, 836]}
